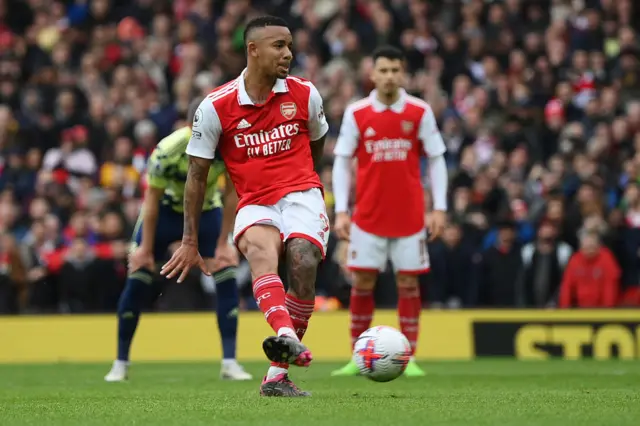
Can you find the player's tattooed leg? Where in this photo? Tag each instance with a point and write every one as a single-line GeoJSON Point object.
{"type": "Point", "coordinates": [302, 259]}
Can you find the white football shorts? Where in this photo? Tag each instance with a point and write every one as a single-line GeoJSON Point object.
{"type": "Point", "coordinates": [297, 215]}
{"type": "Point", "coordinates": [369, 252]}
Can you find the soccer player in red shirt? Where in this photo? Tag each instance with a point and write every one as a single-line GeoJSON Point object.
{"type": "Point", "coordinates": [388, 132]}
{"type": "Point", "coordinates": [269, 129]}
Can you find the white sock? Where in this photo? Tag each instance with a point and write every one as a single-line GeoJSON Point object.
{"type": "Point", "coordinates": [275, 371]}
{"type": "Point", "coordinates": [120, 363]}
{"type": "Point", "coordinates": [286, 331]}
{"type": "Point", "coordinates": [228, 362]}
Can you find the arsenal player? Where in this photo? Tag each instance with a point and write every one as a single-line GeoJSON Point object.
{"type": "Point", "coordinates": [388, 132]}
{"type": "Point", "coordinates": [269, 129]}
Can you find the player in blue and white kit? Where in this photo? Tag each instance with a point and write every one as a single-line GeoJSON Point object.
{"type": "Point", "coordinates": [160, 224]}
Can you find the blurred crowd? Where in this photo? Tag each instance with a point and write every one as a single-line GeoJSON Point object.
{"type": "Point", "coordinates": [538, 103]}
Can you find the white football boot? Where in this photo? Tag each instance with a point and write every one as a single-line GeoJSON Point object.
{"type": "Point", "coordinates": [231, 370]}
{"type": "Point", "coordinates": [119, 372]}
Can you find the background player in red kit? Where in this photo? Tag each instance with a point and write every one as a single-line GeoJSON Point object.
{"type": "Point", "coordinates": [387, 133]}
{"type": "Point", "coordinates": [269, 129]}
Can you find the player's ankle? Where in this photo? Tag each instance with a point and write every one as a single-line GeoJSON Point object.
{"type": "Point", "coordinates": [229, 361]}
{"type": "Point", "coordinates": [275, 371]}
{"type": "Point", "coordinates": [287, 331]}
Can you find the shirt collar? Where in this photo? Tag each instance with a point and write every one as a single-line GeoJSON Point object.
{"type": "Point", "coordinates": [243, 97]}
{"type": "Point", "coordinates": [397, 106]}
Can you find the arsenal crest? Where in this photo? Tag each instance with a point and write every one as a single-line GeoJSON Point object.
{"type": "Point", "coordinates": [288, 110]}
{"type": "Point", "coordinates": [407, 126]}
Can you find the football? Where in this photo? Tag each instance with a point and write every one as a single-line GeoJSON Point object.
{"type": "Point", "coordinates": [382, 353]}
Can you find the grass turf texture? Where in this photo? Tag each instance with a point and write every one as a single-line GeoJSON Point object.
{"type": "Point", "coordinates": [492, 392]}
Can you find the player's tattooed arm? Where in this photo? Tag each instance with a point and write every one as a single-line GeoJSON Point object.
{"type": "Point", "coordinates": [317, 151]}
{"type": "Point", "coordinates": [194, 191]}
{"type": "Point", "coordinates": [302, 259]}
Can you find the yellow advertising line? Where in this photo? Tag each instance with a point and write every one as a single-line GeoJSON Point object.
{"type": "Point", "coordinates": [445, 335]}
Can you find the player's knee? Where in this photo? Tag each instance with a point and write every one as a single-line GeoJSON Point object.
{"type": "Point", "coordinates": [406, 281]}
{"type": "Point", "coordinates": [303, 254]}
{"type": "Point", "coordinates": [364, 280]}
{"type": "Point", "coordinates": [263, 260]}
{"type": "Point", "coordinates": [261, 246]}
{"type": "Point", "coordinates": [260, 238]}
{"type": "Point", "coordinates": [303, 258]}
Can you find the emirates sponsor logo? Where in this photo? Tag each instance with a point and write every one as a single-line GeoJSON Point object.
{"type": "Point", "coordinates": [385, 150]}
{"type": "Point", "coordinates": [268, 142]}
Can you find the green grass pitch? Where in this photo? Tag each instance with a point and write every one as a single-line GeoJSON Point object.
{"type": "Point", "coordinates": [480, 393]}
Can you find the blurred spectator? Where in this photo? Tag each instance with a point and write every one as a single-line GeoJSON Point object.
{"type": "Point", "coordinates": [76, 278]}
{"type": "Point", "coordinates": [119, 171]}
{"type": "Point", "coordinates": [72, 159]}
{"type": "Point", "coordinates": [12, 276]}
{"type": "Point", "coordinates": [543, 265]}
{"type": "Point", "coordinates": [592, 277]}
{"type": "Point", "coordinates": [35, 247]}
{"type": "Point", "coordinates": [497, 270]}
{"type": "Point", "coordinates": [451, 269]}
{"type": "Point", "coordinates": [20, 172]}
{"type": "Point", "coordinates": [630, 206]}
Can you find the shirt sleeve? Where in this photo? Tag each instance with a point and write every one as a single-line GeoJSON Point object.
{"type": "Point", "coordinates": [317, 122]}
{"type": "Point", "coordinates": [349, 135]}
{"type": "Point", "coordinates": [205, 131]}
{"type": "Point", "coordinates": [439, 181]}
{"type": "Point", "coordinates": [157, 170]}
{"type": "Point", "coordinates": [430, 136]}
{"type": "Point", "coordinates": [341, 183]}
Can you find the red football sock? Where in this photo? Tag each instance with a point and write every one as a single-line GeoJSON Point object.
{"type": "Point", "coordinates": [269, 293]}
{"type": "Point", "coordinates": [300, 312]}
{"type": "Point", "coordinates": [409, 307]}
{"type": "Point", "coordinates": [361, 308]}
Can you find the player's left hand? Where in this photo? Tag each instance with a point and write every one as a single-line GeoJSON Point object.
{"type": "Point", "coordinates": [226, 256]}
{"type": "Point", "coordinates": [436, 223]}
{"type": "Point", "coordinates": [141, 258]}
{"type": "Point", "coordinates": [185, 258]}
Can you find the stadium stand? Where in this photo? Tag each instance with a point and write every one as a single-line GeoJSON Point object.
{"type": "Point", "coordinates": [538, 103]}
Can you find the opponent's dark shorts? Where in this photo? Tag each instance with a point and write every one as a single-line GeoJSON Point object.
{"type": "Point", "coordinates": [169, 230]}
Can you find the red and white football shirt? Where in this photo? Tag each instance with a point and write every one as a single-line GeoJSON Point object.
{"type": "Point", "coordinates": [266, 148]}
{"type": "Point", "coordinates": [388, 142]}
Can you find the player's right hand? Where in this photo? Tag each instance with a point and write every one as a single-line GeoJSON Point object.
{"type": "Point", "coordinates": [342, 226]}
{"type": "Point", "coordinates": [185, 258]}
{"type": "Point", "coordinates": [141, 258]}
{"type": "Point", "coordinates": [437, 223]}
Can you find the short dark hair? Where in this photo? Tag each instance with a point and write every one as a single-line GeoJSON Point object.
{"type": "Point", "coordinates": [193, 107]}
{"type": "Point", "coordinates": [506, 222]}
{"type": "Point", "coordinates": [261, 22]}
{"type": "Point", "coordinates": [388, 52]}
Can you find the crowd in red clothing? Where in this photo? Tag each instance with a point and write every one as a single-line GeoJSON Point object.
{"type": "Point", "coordinates": [537, 102]}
